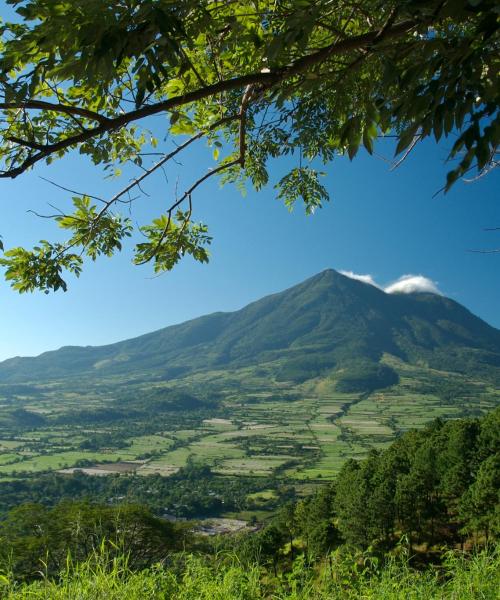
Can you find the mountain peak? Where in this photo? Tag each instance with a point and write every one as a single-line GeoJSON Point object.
{"type": "Point", "coordinates": [326, 320]}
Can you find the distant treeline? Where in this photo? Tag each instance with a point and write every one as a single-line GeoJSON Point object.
{"type": "Point", "coordinates": [193, 492]}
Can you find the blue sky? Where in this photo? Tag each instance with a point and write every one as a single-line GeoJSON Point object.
{"type": "Point", "coordinates": [378, 222]}
{"type": "Point", "coordinates": [382, 223]}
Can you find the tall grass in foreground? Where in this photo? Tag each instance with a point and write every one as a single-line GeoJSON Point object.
{"type": "Point", "coordinates": [459, 578]}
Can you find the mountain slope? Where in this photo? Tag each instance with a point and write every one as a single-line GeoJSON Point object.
{"type": "Point", "coordinates": [327, 321]}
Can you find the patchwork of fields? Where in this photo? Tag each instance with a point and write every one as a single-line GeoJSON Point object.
{"type": "Point", "coordinates": [259, 426]}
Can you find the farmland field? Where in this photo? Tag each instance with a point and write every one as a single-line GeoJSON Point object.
{"type": "Point", "coordinates": [257, 426]}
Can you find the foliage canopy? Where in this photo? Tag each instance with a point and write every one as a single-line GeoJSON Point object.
{"type": "Point", "coordinates": [257, 79]}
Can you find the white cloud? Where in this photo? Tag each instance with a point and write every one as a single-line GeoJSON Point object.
{"type": "Point", "coordinates": [406, 284]}
{"type": "Point", "coordinates": [410, 284]}
{"type": "Point", "coordinates": [364, 278]}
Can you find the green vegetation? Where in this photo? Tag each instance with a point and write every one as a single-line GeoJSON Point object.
{"type": "Point", "coordinates": [259, 427]}
{"type": "Point", "coordinates": [344, 578]}
{"type": "Point", "coordinates": [418, 519]}
{"type": "Point", "coordinates": [439, 484]}
{"type": "Point", "coordinates": [33, 536]}
{"type": "Point", "coordinates": [362, 376]}
{"type": "Point", "coordinates": [192, 492]}
{"type": "Point", "coordinates": [431, 489]}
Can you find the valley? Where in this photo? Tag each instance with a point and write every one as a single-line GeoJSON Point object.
{"type": "Point", "coordinates": [278, 395]}
{"type": "Point", "coordinates": [258, 426]}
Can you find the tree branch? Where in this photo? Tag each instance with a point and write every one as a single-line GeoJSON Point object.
{"type": "Point", "coordinates": [161, 162]}
{"type": "Point", "coordinates": [61, 108]}
{"type": "Point", "coordinates": [264, 79]}
{"type": "Point", "coordinates": [136, 182]}
{"type": "Point", "coordinates": [243, 119]}
{"type": "Point", "coordinates": [187, 195]}
{"type": "Point", "coordinates": [26, 143]}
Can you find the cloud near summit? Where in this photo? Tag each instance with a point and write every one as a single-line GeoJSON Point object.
{"type": "Point", "coordinates": [409, 284]}
{"type": "Point", "coordinates": [364, 278]}
{"type": "Point", "coordinates": [406, 284]}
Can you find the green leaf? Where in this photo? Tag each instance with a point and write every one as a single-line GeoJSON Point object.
{"type": "Point", "coordinates": [406, 138]}
{"type": "Point", "coordinates": [369, 134]}
{"type": "Point", "coordinates": [303, 183]}
{"type": "Point", "coordinates": [482, 153]}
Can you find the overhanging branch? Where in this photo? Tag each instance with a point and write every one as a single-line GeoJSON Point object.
{"type": "Point", "coordinates": [159, 164]}
{"type": "Point", "coordinates": [264, 79]}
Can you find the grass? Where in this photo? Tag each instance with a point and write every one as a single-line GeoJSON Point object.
{"type": "Point", "coordinates": [227, 579]}
{"type": "Point", "coordinates": [262, 496]}
{"type": "Point", "coordinates": [7, 458]}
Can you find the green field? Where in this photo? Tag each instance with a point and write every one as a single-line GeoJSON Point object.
{"type": "Point", "coordinates": [259, 426]}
